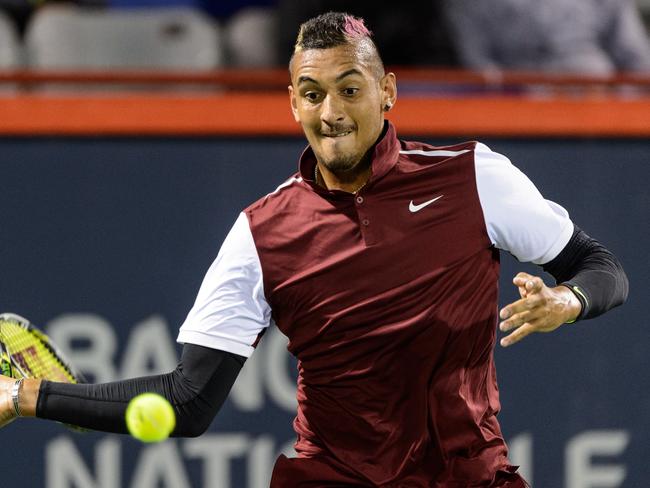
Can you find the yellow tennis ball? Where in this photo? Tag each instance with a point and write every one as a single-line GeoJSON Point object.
{"type": "Point", "coordinates": [150, 417]}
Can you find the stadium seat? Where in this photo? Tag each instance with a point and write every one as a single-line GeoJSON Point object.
{"type": "Point", "coordinates": [72, 37]}
{"type": "Point", "coordinates": [250, 38]}
{"type": "Point", "coordinates": [10, 51]}
{"type": "Point", "coordinates": [10, 48]}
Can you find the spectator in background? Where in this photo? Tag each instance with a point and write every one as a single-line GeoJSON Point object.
{"type": "Point", "coordinates": [221, 10]}
{"type": "Point", "coordinates": [593, 37]}
{"type": "Point", "coordinates": [406, 34]}
{"type": "Point", "coordinates": [21, 10]}
{"type": "Point", "coordinates": [249, 26]}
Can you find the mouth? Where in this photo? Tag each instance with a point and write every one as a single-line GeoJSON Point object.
{"type": "Point", "coordinates": [337, 134]}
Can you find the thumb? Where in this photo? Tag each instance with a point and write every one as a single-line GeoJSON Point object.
{"type": "Point", "coordinates": [533, 285]}
{"type": "Point", "coordinates": [520, 281]}
{"type": "Point", "coordinates": [521, 278]}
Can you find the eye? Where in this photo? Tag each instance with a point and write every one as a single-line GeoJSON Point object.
{"type": "Point", "coordinates": [312, 96]}
{"type": "Point", "coordinates": [350, 91]}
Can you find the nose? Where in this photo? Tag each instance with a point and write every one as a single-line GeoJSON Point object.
{"type": "Point", "coordinates": [332, 111]}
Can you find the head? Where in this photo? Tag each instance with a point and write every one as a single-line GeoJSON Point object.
{"type": "Point", "coordinates": [339, 91]}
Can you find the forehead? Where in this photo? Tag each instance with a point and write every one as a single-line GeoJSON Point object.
{"type": "Point", "coordinates": [323, 65]}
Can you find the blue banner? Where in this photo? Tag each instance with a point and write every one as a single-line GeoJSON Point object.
{"type": "Point", "coordinates": [105, 243]}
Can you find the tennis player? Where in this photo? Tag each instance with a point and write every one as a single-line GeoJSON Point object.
{"type": "Point", "coordinates": [379, 260]}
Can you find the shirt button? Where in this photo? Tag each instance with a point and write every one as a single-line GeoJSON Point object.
{"type": "Point", "coordinates": [359, 200]}
{"type": "Point", "coordinates": [365, 222]}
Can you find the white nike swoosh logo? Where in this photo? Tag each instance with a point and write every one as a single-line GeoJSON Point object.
{"type": "Point", "coordinates": [416, 208]}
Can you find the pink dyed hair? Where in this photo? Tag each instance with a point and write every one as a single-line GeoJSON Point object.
{"type": "Point", "coordinates": [355, 28]}
{"type": "Point", "coordinates": [331, 29]}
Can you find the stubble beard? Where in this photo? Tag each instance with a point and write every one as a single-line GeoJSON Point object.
{"type": "Point", "coordinates": [342, 165]}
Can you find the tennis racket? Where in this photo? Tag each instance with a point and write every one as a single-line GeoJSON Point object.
{"type": "Point", "coordinates": [26, 352]}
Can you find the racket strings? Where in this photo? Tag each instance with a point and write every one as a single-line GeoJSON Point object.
{"type": "Point", "coordinates": [32, 355]}
{"type": "Point", "coordinates": [5, 364]}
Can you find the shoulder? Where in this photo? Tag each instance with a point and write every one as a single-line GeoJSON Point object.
{"type": "Point", "coordinates": [285, 192]}
{"type": "Point", "coordinates": [280, 204]}
{"type": "Point", "coordinates": [417, 150]}
{"type": "Point", "coordinates": [415, 155]}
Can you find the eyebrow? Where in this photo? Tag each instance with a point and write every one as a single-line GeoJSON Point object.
{"type": "Point", "coordinates": [307, 79]}
{"type": "Point", "coordinates": [349, 72]}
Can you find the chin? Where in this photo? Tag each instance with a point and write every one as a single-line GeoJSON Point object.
{"type": "Point", "coordinates": [341, 164]}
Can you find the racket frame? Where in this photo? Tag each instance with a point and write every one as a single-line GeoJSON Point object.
{"type": "Point", "coordinates": [43, 339]}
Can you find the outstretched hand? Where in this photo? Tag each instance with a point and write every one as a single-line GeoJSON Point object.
{"type": "Point", "coordinates": [540, 309]}
{"type": "Point", "coordinates": [7, 412]}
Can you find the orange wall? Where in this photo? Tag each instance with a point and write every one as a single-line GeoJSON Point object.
{"type": "Point", "coordinates": [269, 114]}
{"type": "Point", "coordinates": [241, 102]}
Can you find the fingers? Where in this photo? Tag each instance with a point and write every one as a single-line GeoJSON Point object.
{"type": "Point", "coordinates": [521, 278]}
{"type": "Point", "coordinates": [522, 305]}
{"type": "Point", "coordinates": [525, 315]}
{"type": "Point", "coordinates": [7, 412]}
{"type": "Point", "coordinates": [529, 283]}
{"type": "Point", "coordinates": [522, 291]}
{"type": "Point", "coordinates": [517, 320]}
{"type": "Point", "coordinates": [6, 418]}
{"type": "Point", "coordinates": [523, 331]}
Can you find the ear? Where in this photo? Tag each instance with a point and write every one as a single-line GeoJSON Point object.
{"type": "Point", "coordinates": [388, 86]}
{"type": "Point", "coordinates": [294, 104]}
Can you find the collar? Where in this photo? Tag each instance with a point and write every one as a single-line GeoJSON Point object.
{"type": "Point", "coordinates": [384, 157]}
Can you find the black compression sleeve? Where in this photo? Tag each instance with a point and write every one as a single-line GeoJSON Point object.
{"type": "Point", "coordinates": [196, 389]}
{"type": "Point", "coordinates": [592, 272]}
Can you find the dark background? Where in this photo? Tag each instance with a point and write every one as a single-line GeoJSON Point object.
{"type": "Point", "coordinates": [125, 228]}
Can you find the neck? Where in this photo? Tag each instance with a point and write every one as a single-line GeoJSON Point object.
{"type": "Point", "coordinates": [350, 183]}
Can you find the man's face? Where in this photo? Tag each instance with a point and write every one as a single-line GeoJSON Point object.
{"type": "Point", "coordinates": [338, 97]}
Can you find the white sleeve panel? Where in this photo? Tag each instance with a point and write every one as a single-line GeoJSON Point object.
{"type": "Point", "coordinates": [517, 217]}
{"type": "Point", "coordinates": [230, 310]}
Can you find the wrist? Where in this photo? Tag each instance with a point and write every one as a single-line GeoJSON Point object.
{"type": "Point", "coordinates": [573, 306]}
{"type": "Point", "coordinates": [28, 397]}
{"type": "Point", "coordinates": [15, 396]}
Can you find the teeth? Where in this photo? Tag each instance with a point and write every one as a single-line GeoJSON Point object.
{"type": "Point", "coordinates": [339, 135]}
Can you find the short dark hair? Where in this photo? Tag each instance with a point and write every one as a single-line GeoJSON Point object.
{"type": "Point", "coordinates": [334, 29]}
{"type": "Point", "coordinates": [330, 30]}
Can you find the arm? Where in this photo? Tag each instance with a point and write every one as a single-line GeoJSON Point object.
{"type": "Point", "coordinates": [197, 389]}
{"type": "Point", "coordinates": [592, 272]}
{"type": "Point", "coordinates": [222, 328]}
{"type": "Point", "coordinates": [590, 281]}
{"type": "Point", "coordinates": [519, 220]}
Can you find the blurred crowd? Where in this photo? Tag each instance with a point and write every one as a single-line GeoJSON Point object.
{"type": "Point", "coordinates": [594, 37]}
